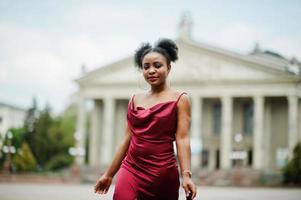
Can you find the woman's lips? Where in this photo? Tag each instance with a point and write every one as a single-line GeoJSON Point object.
{"type": "Point", "coordinates": [152, 78]}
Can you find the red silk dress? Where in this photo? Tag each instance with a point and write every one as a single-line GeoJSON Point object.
{"type": "Point", "coordinates": [149, 170]}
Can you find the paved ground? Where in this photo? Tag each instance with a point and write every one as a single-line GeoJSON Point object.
{"type": "Point", "coordinates": [26, 191]}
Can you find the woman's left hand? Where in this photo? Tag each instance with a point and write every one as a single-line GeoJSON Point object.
{"type": "Point", "coordinates": [189, 187]}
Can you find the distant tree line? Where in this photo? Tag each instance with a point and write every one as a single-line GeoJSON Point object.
{"type": "Point", "coordinates": [43, 143]}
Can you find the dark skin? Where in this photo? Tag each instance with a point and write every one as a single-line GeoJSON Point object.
{"type": "Point", "coordinates": [155, 71]}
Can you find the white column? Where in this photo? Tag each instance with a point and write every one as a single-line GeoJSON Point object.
{"type": "Point", "coordinates": [95, 140]}
{"type": "Point", "coordinates": [292, 122]}
{"type": "Point", "coordinates": [226, 135]}
{"type": "Point", "coordinates": [258, 132]}
{"type": "Point", "coordinates": [80, 134]}
{"type": "Point", "coordinates": [196, 124]}
{"type": "Point", "coordinates": [108, 127]}
{"type": "Point", "coordinates": [268, 134]}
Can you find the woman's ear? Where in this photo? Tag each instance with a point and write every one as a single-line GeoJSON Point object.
{"type": "Point", "coordinates": [168, 67]}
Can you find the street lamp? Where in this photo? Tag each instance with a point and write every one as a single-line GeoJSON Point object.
{"type": "Point", "coordinates": [238, 154]}
{"type": "Point", "coordinates": [8, 149]}
{"type": "Point", "coordinates": [77, 152]}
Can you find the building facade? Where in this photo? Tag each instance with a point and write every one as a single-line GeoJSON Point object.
{"type": "Point", "coordinates": [10, 117]}
{"type": "Point", "coordinates": [246, 109]}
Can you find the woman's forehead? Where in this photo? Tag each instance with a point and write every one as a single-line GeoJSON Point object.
{"type": "Point", "coordinates": [153, 56]}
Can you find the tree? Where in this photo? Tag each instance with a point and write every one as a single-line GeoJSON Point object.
{"type": "Point", "coordinates": [16, 141]}
{"type": "Point", "coordinates": [31, 117]}
{"type": "Point", "coordinates": [50, 137]}
{"type": "Point", "coordinates": [30, 121]}
{"type": "Point", "coordinates": [62, 134]}
{"type": "Point", "coordinates": [18, 136]}
{"type": "Point", "coordinates": [292, 171]}
{"type": "Point", "coordinates": [24, 159]}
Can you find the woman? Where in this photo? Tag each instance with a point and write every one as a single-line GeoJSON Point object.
{"type": "Point", "coordinates": [148, 166]}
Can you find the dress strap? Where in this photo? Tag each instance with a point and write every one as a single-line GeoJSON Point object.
{"type": "Point", "coordinates": [132, 101]}
{"type": "Point", "coordinates": [180, 96]}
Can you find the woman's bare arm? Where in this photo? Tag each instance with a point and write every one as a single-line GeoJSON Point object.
{"type": "Point", "coordinates": [183, 144]}
{"type": "Point", "coordinates": [120, 154]}
{"type": "Point", "coordinates": [103, 183]}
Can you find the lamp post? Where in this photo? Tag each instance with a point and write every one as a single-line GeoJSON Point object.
{"type": "Point", "coordinates": [238, 154]}
{"type": "Point", "coordinates": [77, 152]}
{"type": "Point", "coordinates": [8, 149]}
{"type": "Point", "coordinates": [1, 145]}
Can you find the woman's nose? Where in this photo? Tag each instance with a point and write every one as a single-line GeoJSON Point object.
{"type": "Point", "coordinates": [152, 70]}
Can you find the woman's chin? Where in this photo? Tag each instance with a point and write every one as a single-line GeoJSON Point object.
{"type": "Point", "coordinates": [153, 83]}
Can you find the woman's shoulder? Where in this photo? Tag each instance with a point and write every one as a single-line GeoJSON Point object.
{"type": "Point", "coordinates": [181, 94]}
{"type": "Point", "coordinates": [183, 98]}
{"type": "Point", "coordinates": [138, 96]}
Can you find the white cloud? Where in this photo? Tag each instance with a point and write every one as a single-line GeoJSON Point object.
{"type": "Point", "coordinates": [34, 63]}
{"type": "Point", "coordinates": [30, 66]}
{"type": "Point", "coordinates": [79, 49]}
{"type": "Point", "coordinates": [17, 40]}
{"type": "Point", "coordinates": [241, 37]}
{"type": "Point", "coordinates": [102, 16]}
{"type": "Point", "coordinates": [288, 45]}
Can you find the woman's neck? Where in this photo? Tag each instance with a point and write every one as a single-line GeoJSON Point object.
{"type": "Point", "coordinates": [158, 89]}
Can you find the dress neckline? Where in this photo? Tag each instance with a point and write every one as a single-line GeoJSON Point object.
{"type": "Point", "coordinates": [157, 104]}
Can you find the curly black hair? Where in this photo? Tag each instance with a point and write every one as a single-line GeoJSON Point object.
{"type": "Point", "coordinates": [164, 46]}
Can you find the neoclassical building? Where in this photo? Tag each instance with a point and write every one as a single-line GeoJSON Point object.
{"type": "Point", "coordinates": [10, 117]}
{"type": "Point", "coordinates": [246, 109]}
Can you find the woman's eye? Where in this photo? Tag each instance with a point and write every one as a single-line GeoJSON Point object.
{"type": "Point", "coordinates": [157, 65]}
{"type": "Point", "coordinates": [145, 66]}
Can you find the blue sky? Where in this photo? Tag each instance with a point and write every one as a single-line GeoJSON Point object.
{"type": "Point", "coordinates": [44, 43]}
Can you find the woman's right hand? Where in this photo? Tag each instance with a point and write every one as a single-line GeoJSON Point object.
{"type": "Point", "coordinates": [103, 184]}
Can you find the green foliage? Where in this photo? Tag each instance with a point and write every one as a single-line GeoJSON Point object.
{"type": "Point", "coordinates": [30, 122]}
{"type": "Point", "coordinates": [31, 117]}
{"type": "Point", "coordinates": [16, 141]}
{"type": "Point", "coordinates": [18, 137]}
{"type": "Point", "coordinates": [44, 140]}
{"type": "Point", "coordinates": [59, 161]}
{"type": "Point", "coordinates": [2, 156]}
{"type": "Point", "coordinates": [50, 137]}
{"type": "Point", "coordinates": [42, 147]}
{"type": "Point", "coordinates": [292, 171]}
{"type": "Point", "coordinates": [24, 160]}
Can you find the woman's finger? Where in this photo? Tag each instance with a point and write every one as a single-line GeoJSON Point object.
{"type": "Point", "coordinates": [193, 190]}
{"type": "Point", "coordinates": [188, 193]}
{"type": "Point", "coordinates": [186, 189]}
{"type": "Point", "coordinates": [96, 189]}
{"type": "Point", "coordinates": [193, 194]}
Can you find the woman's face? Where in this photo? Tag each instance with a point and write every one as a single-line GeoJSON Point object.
{"type": "Point", "coordinates": [155, 68]}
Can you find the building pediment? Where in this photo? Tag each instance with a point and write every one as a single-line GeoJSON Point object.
{"type": "Point", "coordinates": [197, 63]}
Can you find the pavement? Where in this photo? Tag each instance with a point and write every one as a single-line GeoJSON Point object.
{"type": "Point", "coordinates": [34, 191]}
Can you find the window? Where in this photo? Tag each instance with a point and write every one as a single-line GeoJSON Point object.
{"type": "Point", "coordinates": [216, 121]}
{"type": "Point", "coordinates": [248, 118]}
{"type": "Point", "coordinates": [217, 159]}
{"type": "Point", "coordinates": [250, 157]}
{"type": "Point", "coordinates": [205, 158]}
